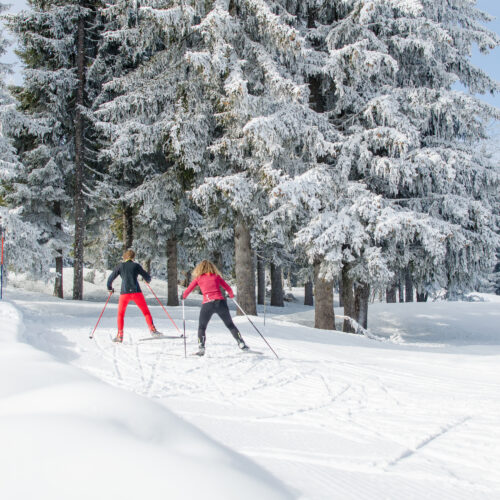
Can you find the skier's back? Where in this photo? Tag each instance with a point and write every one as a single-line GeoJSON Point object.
{"type": "Point", "coordinates": [129, 271]}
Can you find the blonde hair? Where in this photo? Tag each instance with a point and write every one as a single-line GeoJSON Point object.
{"type": "Point", "coordinates": [128, 255]}
{"type": "Point", "coordinates": [205, 267]}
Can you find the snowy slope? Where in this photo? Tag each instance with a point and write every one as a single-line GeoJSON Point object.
{"type": "Point", "coordinates": [66, 435]}
{"type": "Point", "coordinates": [414, 414]}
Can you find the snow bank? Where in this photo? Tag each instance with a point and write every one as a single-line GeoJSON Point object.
{"type": "Point", "coordinates": [420, 324]}
{"type": "Point", "coordinates": [437, 324]}
{"type": "Point", "coordinates": [66, 435]}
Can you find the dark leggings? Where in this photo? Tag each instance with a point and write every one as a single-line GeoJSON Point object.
{"type": "Point", "coordinates": [206, 312]}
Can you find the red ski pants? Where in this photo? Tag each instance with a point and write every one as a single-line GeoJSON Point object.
{"type": "Point", "coordinates": [138, 298]}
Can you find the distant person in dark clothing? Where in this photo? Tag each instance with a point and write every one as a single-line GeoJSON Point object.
{"type": "Point", "coordinates": [130, 290]}
{"type": "Point", "coordinates": [209, 279]}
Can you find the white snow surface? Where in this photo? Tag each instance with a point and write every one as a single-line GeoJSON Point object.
{"type": "Point", "coordinates": [412, 413]}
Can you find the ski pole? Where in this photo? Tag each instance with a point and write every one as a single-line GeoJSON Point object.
{"type": "Point", "coordinates": [184, 323]}
{"type": "Point", "coordinates": [163, 307]}
{"type": "Point", "coordinates": [251, 322]}
{"type": "Point", "coordinates": [91, 336]}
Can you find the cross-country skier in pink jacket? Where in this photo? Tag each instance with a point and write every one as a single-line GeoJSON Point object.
{"type": "Point", "coordinates": [209, 279]}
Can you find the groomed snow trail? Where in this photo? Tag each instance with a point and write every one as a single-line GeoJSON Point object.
{"type": "Point", "coordinates": [338, 416]}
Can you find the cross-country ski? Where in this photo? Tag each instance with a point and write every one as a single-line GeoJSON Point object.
{"type": "Point", "coordinates": [252, 351]}
{"type": "Point", "coordinates": [161, 336]}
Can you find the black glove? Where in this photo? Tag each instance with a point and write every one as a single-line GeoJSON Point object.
{"type": "Point", "coordinates": [112, 290]}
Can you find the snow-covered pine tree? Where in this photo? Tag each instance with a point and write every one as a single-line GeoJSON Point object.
{"type": "Point", "coordinates": [489, 150]}
{"type": "Point", "coordinates": [8, 156]}
{"type": "Point", "coordinates": [417, 195]}
{"type": "Point", "coordinates": [56, 40]}
{"type": "Point", "coordinates": [496, 274]}
{"type": "Point", "coordinates": [412, 141]}
{"type": "Point", "coordinates": [155, 120]}
{"type": "Point", "coordinates": [24, 248]}
{"type": "Point", "coordinates": [252, 56]}
{"type": "Point", "coordinates": [23, 251]}
{"type": "Point", "coordinates": [36, 187]}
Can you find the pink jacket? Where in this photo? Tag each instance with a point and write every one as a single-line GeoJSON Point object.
{"type": "Point", "coordinates": [209, 285]}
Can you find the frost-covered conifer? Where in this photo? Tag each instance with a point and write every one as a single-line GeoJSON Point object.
{"type": "Point", "coordinates": [155, 120]}
{"type": "Point", "coordinates": [415, 144]}
{"type": "Point", "coordinates": [253, 56]}
{"type": "Point", "coordinates": [417, 195]}
{"type": "Point", "coordinates": [31, 238]}
{"type": "Point", "coordinates": [496, 274]}
{"type": "Point", "coordinates": [24, 248]}
{"type": "Point", "coordinates": [55, 39]}
{"type": "Point", "coordinates": [21, 248]}
{"type": "Point", "coordinates": [8, 157]}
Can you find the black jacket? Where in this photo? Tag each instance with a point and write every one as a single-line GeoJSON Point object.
{"type": "Point", "coordinates": [128, 271]}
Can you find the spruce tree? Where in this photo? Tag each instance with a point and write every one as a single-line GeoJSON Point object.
{"type": "Point", "coordinates": [25, 243]}
{"type": "Point", "coordinates": [8, 156]}
{"type": "Point", "coordinates": [411, 141]}
{"type": "Point", "coordinates": [57, 41]}
{"type": "Point", "coordinates": [251, 54]}
{"type": "Point", "coordinates": [405, 189]}
{"type": "Point", "coordinates": [154, 120]}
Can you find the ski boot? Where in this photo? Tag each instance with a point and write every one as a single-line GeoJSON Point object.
{"type": "Point", "coordinates": [242, 345]}
{"type": "Point", "coordinates": [239, 339]}
{"type": "Point", "coordinates": [201, 350]}
{"type": "Point", "coordinates": [155, 333]}
{"type": "Point", "coordinates": [119, 337]}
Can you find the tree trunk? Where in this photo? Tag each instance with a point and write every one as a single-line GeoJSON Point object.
{"type": "Point", "coordinates": [324, 315]}
{"type": "Point", "coordinates": [276, 286]}
{"type": "Point", "coordinates": [173, 294]}
{"type": "Point", "coordinates": [308, 294]}
{"type": "Point", "coordinates": [401, 290]}
{"type": "Point", "coordinates": [245, 277]}
{"type": "Point", "coordinates": [147, 266]}
{"type": "Point", "coordinates": [408, 286]}
{"type": "Point", "coordinates": [390, 294]}
{"type": "Point", "coordinates": [341, 298]}
{"type": "Point", "coordinates": [58, 282]}
{"type": "Point", "coordinates": [422, 296]}
{"type": "Point", "coordinates": [128, 227]}
{"type": "Point", "coordinates": [347, 298]}
{"type": "Point", "coordinates": [317, 100]}
{"type": "Point", "coordinates": [217, 259]}
{"type": "Point", "coordinates": [261, 281]}
{"type": "Point", "coordinates": [361, 298]}
{"type": "Point", "coordinates": [79, 161]}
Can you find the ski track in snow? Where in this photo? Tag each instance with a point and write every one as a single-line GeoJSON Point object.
{"type": "Point", "coordinates": [331, 420]}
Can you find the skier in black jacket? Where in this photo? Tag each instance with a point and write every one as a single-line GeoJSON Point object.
{"type": "Point", "coordinates": [130, 290]}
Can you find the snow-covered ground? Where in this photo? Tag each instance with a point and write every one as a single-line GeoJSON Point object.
{"type": "Point", "coordinates": [411, 414]}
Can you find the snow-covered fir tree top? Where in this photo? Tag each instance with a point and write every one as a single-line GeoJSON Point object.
{"type": "Point", "coordinates": [252, 59]}
{"type": "Point", "coordinates": [8, 159]}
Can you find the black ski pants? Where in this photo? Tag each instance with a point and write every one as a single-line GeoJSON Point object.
{"type": "Point", "coordinates": [207, 311]}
